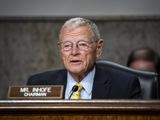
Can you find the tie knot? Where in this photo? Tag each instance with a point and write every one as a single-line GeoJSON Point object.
{"type": "Point", "coordinates": [80, 87]}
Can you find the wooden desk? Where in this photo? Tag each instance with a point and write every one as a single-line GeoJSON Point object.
{"type": "Point", "coordinates": [80, 110]}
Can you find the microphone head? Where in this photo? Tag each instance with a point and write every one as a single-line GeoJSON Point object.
{"type": "Point", "coordinates": [75, 88]}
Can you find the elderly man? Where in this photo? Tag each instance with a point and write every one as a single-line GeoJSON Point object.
{"type": "Point", "coordinates": [80, 45]}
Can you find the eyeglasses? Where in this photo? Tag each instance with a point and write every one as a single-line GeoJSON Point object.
{"type": "Point", "coordinates": [81, 45]}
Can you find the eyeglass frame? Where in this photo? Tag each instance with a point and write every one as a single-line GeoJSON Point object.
{"type": "Point", "coordinates": [77, 44]}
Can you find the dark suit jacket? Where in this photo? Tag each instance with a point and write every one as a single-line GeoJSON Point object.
{"type": "Point", "coordinates": [108, 83]}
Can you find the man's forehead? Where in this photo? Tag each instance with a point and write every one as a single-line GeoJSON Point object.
{"type": "Point", "coordinates": [83, 31]}
{"type": "Point", "coordinates": [76, 31]}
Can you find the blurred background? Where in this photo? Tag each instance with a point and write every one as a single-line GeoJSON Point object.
{"type": "Point", "coordinates": [29, 32]}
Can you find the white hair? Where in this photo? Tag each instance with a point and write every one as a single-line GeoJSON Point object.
{"type": "Point", "coordinates": [78, 22]}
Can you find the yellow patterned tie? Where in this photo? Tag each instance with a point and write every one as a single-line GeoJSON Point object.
{"type": "Point", "coordinates": [77, 94]}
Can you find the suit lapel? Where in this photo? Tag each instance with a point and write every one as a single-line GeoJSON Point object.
{"type": "Point", "coordinates": [101, 85]}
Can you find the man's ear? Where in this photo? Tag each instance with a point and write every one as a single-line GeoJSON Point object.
{"type": "Point", "coordinates": [100, 44]}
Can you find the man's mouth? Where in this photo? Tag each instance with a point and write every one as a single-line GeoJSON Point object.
{"type": "Point", "coordinates": [75, 61]}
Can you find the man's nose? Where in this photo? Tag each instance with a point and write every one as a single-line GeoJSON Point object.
{"type": "Point", "coordinates": [75, 49]}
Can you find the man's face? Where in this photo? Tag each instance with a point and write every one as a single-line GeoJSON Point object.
{"type": "Point", "coordinates": [76, 60]}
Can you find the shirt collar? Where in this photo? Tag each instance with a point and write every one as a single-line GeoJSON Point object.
{"type": "Point", "coordinates": [87, 82]}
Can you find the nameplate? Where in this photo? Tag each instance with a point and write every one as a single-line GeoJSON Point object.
{"type": "Point", "coordinates": [36, 92]}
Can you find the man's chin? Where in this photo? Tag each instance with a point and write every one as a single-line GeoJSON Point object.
{"type": "Point", "coordinates": [75, 71]}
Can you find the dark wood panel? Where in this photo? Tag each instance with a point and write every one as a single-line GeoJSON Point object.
{"type": "Point", "coordinates": [84, 117]}
{"type": "Point", "coordinates": [82, 109]}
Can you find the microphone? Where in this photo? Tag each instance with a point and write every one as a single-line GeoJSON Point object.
{"type": "Point", "coordinates": [74, 89]}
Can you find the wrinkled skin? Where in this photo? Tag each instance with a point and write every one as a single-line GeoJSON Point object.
{"type": "Point", "coordinates": [80, 62]}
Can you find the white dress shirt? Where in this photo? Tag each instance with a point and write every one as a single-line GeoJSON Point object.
{"type": "Point", "coordinates": [87, 84]}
